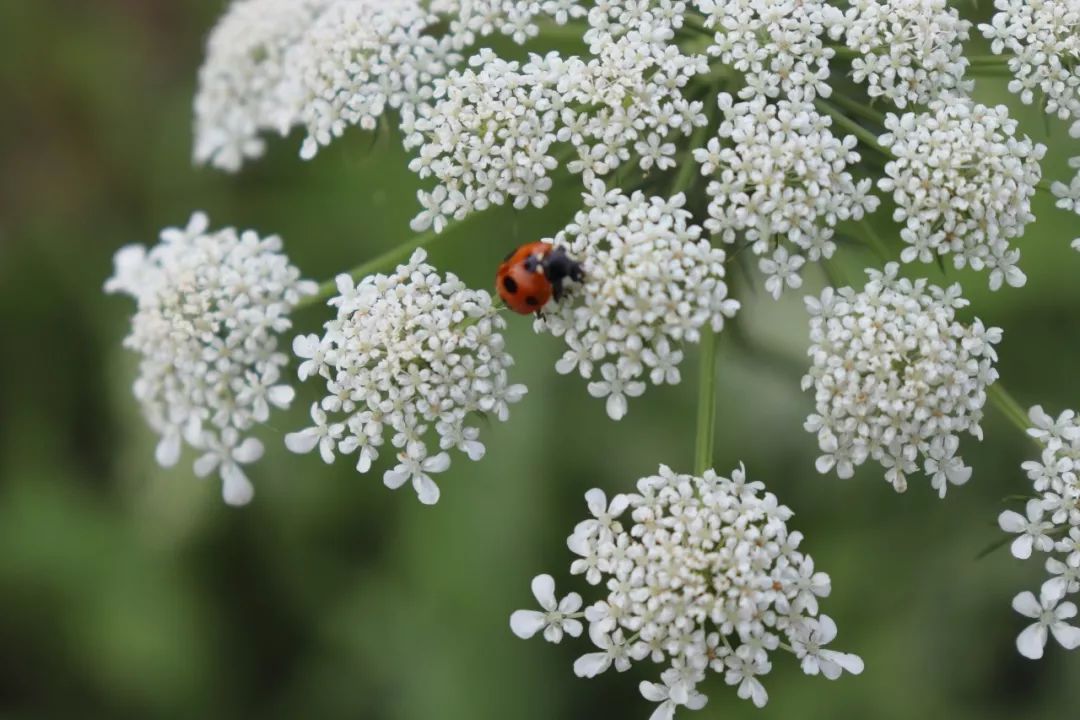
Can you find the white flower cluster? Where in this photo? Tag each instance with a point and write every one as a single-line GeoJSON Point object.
{"type": "Point", "coordinates": [210, 308]}
{"type": "Point", "coordinates": [491, 134]}
{"type": "Point", "coordinates": [777, 44]}
{"type": "Point", "coordinates": [407, 353]}
{"type": "Point", "coordinates": [1054, 513]}
{"type": "Point", "coordinates": [651, 283]}
{"type": "Point", "coordinates": [1069, 195]}
{"type": "Point", "coordinates": [701, 574]}
{"type": "Point", "coordinates": [1044, 39]}
{"type": "Point", "coordinates": [962, 183]}
{"type": "Point", "coordinates": [780, 180]}
{"type": "Point", "coordinates": [326, 65]}
{"type": "Point", "coordinates": [245, 65]}
{"type": "Point", "coordinates": [909, 51]}
{"type": "Point", "coordinates": [897, 378]}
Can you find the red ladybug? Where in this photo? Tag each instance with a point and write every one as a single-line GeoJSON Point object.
{"type": "Point", "coordinates": [532, 274]}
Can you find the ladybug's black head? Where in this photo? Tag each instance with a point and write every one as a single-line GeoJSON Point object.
{"type": "Point", "coordinates": [558, 266]}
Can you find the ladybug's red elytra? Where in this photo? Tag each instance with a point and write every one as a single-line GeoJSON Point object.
{"type": "Point", "coordinates": [534, 273]}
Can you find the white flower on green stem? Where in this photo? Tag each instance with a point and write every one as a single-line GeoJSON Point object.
{"type": "Point", "coordinates": [778, 46]}
{"type": "Point", "coordinates": [651, 284]}
{"type": "Point", "coordinates": [408, 356]}
{"type": "Point", "coordinates": [211, 306]}
{"type": "Point", "coordinates": [963, 184]}
{"type": "Point", "coordinates": [909, 51]}
{"type": "Point", "coordinates": [328, 65]}
{"type": "Point", "coordinates": [779, 179]}
{"type": "Point", "coordinates": [896, 378]}
{"type": "Point", "coordinates": [1044, 44]}
{"type": "Point", "coordinates": [698, 573]}
{"type": "Point", "coordinates": [1053, 512]}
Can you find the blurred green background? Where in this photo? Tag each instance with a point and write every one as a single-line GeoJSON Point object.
{"type": "Point", "coordinates": [131, 592]}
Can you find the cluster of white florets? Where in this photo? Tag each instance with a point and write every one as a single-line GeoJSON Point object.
{"type": "Point", "coordinates": [326, 65]}
{"type": "Point", "coordinates": [897, 378]}
{"type": "Point", "coordinates": [238, 97]}
{"type": "Point", "coordinates": [210, 308]}
{"type": "Point", "coordinates": [1044, 39]}
{"type": "Point", "coordinates": [701, 574]}
{"type": "Point", "coordinates": [1050, 524]}
{"type": "Point", "coordinates": [779, 181]}
{"type": "Point", "coordinates": [909, 51]}
{"type": "Point", "coordinates": [491, 135]}
{"type": "Point", "coordinates": [408, 353]}
{"type": "Point", "coordinates": [1068, 196]}
{"type": "Point", "coordinates": [651, 284]}
{"type": "Point", "coordinates": [777, 44]}
{"type": "Point", "coordinates": [962, 183]}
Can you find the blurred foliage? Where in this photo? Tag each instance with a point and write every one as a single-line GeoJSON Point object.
{"type": "Point", "coordinates": [127, 591]}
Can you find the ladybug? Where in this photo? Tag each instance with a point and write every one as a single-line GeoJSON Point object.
{"type": "Point", "coordinates": [530, 275]}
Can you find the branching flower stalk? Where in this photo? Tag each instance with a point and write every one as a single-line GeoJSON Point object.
{"type": "Point", "coordinates": [696, 131]}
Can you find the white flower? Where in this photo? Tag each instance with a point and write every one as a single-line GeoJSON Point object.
{"type": "Point", "coordinates": [779, 181]}
{"type": "Point", "coordinates": [491, 135]}
{"type": "Point", "coordinates": [1031, 530]}
{"type": "Point", "coordinates": [700, 573]}
{"type": "Point", "coordinates": [896, 377]}
{"type": "Point", "coordinates": [210, 309]}
{"type": "Point", "coordinates": [670, 695]}
{"type": "Point", "coordinates": [407, 354]}
{"type": "Point", "coordinates": [962, 183]}
{"type": "Point", "coordinates": [777, 44]}
{"type": "Point", "coordinates": [238, 97]}
{"type": "Point", "coordinates": [1053, 512]}
{"type": "Point", "coordinates": [417, 467]}
{"type": "Point", "coordinates": [808, 647]}
{"type": "Point", "coordinates": [1043, 39]}
{"type": "Point", "coordinates": [651, 283]}
{"type": "Point", "coordinates": [1050, 614]}
{"type": "Point", "coordinates": [327, 65]}
{"type": "Point", "coordinates": [557, 618]}
{"type": "Point", "coordinates": [909, 51]}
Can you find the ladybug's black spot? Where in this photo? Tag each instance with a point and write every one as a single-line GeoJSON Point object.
{"type": "Point", "coordinates": [510, 284]}
{"type": "Point", "coordinates": [530, 300]}
{"type": "Point", "coordinates": [509, 255]}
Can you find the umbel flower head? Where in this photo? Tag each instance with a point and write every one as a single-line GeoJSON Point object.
{"type": "Point", "coordinates": [962, 183]}
{"type": "Point", "coordinates": [414, 355]}
{"type": "Point", "coordinates": [210, 308]}
{"type": "Point", "coordinates": [326, 65]}
{"type": "Point", "coordinates": [496, 130]}
{"type": "Point", "coordinates": [897, 378]}
{"type": "Point", "coordinates": [1044, 39]}
{"type": "Point", "coordinates": [651, 284]}
{"type": "Point", "coordinates": [909, 51]}
{"type": "Point", "coordinates": [1050, 523]}
{"type": "Point", "coordinates": [779, 180]}
{"type": "Point", "coordinates": [700, 574]}
{"type": "Point", "coordinates": [778, 46]}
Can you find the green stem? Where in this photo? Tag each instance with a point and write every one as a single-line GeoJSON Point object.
{"type": "Point", "coordinates": [392, 257]}
{"type": "Point", "coordinates": [706, 412]}
{"type": "Point", "coordinates": [851, 126]}
{"type": "Point", "coordinates": [1009, 407]}
{"type": "Point", "coordinates": [875, 240]}
{"type": "Point", "coordinates": [989, 59]}
{"type": "Point", "coordinates": [859, 108]}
